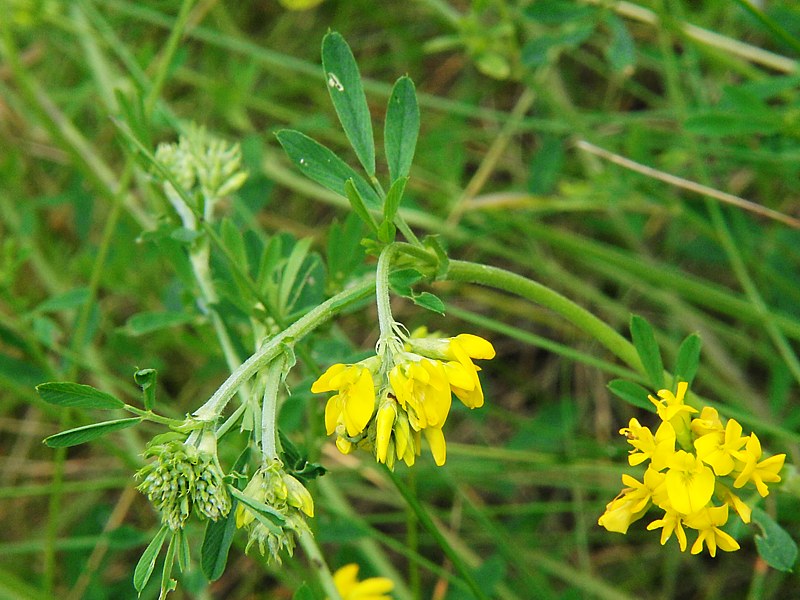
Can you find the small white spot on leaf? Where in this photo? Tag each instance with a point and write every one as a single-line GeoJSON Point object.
{"type": "Point", "coordinates": [334, 82]}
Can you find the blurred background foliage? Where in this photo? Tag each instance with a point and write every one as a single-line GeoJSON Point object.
{"type": "Point", "coordinates": [521, 104]}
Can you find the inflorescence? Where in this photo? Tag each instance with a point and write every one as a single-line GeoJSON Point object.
{"type": "Point", "coordinates": [693, 465]}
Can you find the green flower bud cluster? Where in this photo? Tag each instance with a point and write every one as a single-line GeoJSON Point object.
{"type": "Point", "coordinates": [199, 159]}
{"type": "Point", "coordinates": [185, 477]}
{"type": "Point", "coordinates": [286, 496]}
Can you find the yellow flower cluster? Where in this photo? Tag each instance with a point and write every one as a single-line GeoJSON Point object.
{"type": "Point", "coordinates": [691, 484]}
{"type": "Point", "coordinates": [386, 403]}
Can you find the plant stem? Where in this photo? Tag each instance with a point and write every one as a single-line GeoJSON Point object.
{"type": "Point", "coordinates": [319, 565]}
{"type": "Point", "coordinates": [269, 409]}
{"type": "Point", "coordinates": [213, 408]}
{"type": "Point", "coordinates": [536, 292]}
{"type": "Point", "coordinates": [385, 319]}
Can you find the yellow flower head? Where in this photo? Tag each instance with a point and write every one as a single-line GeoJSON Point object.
{"type": "Point", "coordinates": [350, 588]}
{"type": "Point", "coordinates": [690, 484]}
{"type": "Point", "coordinates": [671, 522]}
{"type": "Point", "coordinates": [656, 448]}
{"type": "Point", "coordinates": [718, 448]}
{"type": "Point", "coordinates": [354, 404]}
{"type": "Point", "coordinates": [671, 406]}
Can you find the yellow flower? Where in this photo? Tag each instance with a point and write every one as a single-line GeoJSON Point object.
{"type": "Point", "coordinates": [627, 507]}
{"type": "Point", "coordinates": [671, 522]}
{"type": "Point", "coordinates": [350, 588]}
{"type": "Point", "coordinates": [717, 449]}
{"type": "Point", "coordinates": [658, 449]}
{"type": "Point", "coordinates": [690, 484]}
{"type": "Point", "coordinates": [671, 405]}
{"type": "Point", "coordinates": [760, 473]}
{"type": "Point", "coordinates": [707, 422]}
{"type": "Point", "coordinates": [707, 522]}
{"type": "Point", "coordinates": [734, 502]}
{"type": "Point", "coordinates": [422, 385]}
{"type": "Point", "coordinates": [458, 353]}
{"type": "Point", "coordinates": [354, 405]}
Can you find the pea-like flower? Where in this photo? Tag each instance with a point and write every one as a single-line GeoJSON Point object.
{"type": "Point", "coordinates": [691, 467]}
{"type": "Point", "coordinates": [387, 403]}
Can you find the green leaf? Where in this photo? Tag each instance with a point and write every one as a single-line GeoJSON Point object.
{"type": "Point", "coordinates": [266, 515]}
{"type": "Point", "coordinates": [67, 300]}
{"type": "Point", "coordinates": [233, 240]}
{"type": "Point", "coordinates": [646, 346]}
{"type": "Point", "coordinates": [303, 593]}
{"type": "Point", "coordinates": [87, 433]}
{"type": "Point", "coordinates": [631, 392]}
{"type": "Point", "coordinates": [688, 359]}
{"type": "Point", "coordinates": [775, 545]}
{"type": "Point", "coordinates": [151, 321]}
{"type": "Point", "coordinates": [347, 95]}
{"type": "Point", "coordinates": [429, 301]}
{"type": "Point", "coordinates": [402, 280]}
{"type": "Point", "coordinates": [76, 395]}
{"type": "Point", "coordinates": [393, 198]}
{"type": "Point", "coordinates": [358, 205]}
{"type": "Point", "coordinates": [144, 568]}
{"type": "Point", "coordinates": [401, 129]}
{"type": "Point", "coordinates": [558, 12]}
{"type": "Point", "coordinates": [320, 164]}
{"type": "Point", "coordinates": [290, 272]}
{"type": "Point", "coordinates": [146, 379]}
{"type": "Point", "coordinates": [183, 552]}
{"type": "Point", "coordinates": [443, 261]}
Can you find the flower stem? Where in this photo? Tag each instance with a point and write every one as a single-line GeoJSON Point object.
{"type": "Point", "coordinates": [318, 563]}
{"type": "Point", "coordinates": [536, 292]}
{"type": "Point", "coordinates": [269, 409]}
{"type": "Point", "coordinates": [212, 409]}
{"type": "Point", "coordinates": [385, 319]}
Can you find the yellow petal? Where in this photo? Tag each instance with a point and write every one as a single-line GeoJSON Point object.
{"type": "Point", "coordinates": [475, 346]}
{"type": "Point", "coordinates": [387, 414]}
{"type": "Point", "coordinates": [333, 410]}
{"type": "Point", "coordinates": [436, 441]}
{"type": "Point", "coordinates": [323, 383]}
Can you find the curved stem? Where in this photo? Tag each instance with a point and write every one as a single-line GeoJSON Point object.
{"type": "Point", "coordinates": [536, 292]}
{"type": "Point", "coordinates": [269, 409]}
{"type": "Point", "coordinates": [213, 408]}
{"type": "Point", "coordinates": [319, 565]}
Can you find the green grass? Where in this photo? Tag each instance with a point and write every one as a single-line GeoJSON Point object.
{"type": "Point", "coordinates": [506, 173]}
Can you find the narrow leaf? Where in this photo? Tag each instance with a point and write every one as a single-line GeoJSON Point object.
{"type": "Point", "coordinates": [347, 94]}
{"type": "Point", "coordinates": [81, 435]}
{"type": "Point", "coordinates": [775, 546]}
{"type": "Point", "coordinates": [151, 321]}
{"type": "Point", "coordinates": [217, 543]}
{"type": "Point", "coordinates": [631, 392]}
{"type": "Point", "coordinates": [144, 568]}
{"type": "Point", "coordinates": [646, 346]}
{"type": "Point", "coordinates": [67, 300]}
{"type": "Point", "coordinates": [688, 359]}
{"type": "Point", "coordinates": [401, 128]}
{"type": "Point", "coordinates": [358, 205]}
{"type": "Point", "coordinates": [320, 164]}
{"type": "Point", "coordinates": [76, 395]}
{"type": "Point", "coordinates": [291, 270]}
{"type": "Point", "coordinates": [393, 199]}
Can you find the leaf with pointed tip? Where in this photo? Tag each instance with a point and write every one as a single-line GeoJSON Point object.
{"type": "Point", "coordinates": [320, 164]}
{"type": "Point", "coordinates": [646, 346]}
{"type": "Point", "coordinates": [76, 395]}
{"type": "Point", "coordinates": [688, 359]}
{"type": "Point", "coordinates": [401, 128]}
{"type": "Point", "coordinates": [144, 568]}
{"type": "Point", "coordinates": [87, 433]}
{"type": "Point", "coordinates": [775, 545]}
{"type": "Point", "coordinates": [347, 94]}
{"type": "Point", "coordinates": [631, 392]}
